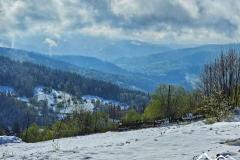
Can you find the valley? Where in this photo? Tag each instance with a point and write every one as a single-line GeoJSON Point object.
{"type": "Point", "coordinates": [177, 66]}
{"type": "Point", "coordinates": [119, 80]}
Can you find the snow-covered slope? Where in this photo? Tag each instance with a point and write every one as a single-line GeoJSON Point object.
{"type": "Point", "coordinates": [58, 100]}
{"type": "Point", "coordinates": [165, 143]}
{"type": "Point", "coordinates": [95, 99]}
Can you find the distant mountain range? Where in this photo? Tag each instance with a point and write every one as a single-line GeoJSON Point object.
{"type": "Point", "coordinates": [91, 63]}
{"type": "Point", "coordinates": [86, 66]}
{"type": "Point", "coordinates": [178, 66]}
{"type": "Point", "coordinates": [144, 72]}
{"type": "Point", "coordinates": [110, 49]}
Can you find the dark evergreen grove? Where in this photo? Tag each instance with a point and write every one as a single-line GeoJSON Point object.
{"type": "Point", "coordinates": [24, 77]}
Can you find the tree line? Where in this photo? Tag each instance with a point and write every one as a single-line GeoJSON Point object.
{"type": "Point", "coordinates": [223, 75]}
{"type": "Point", "coordinates": [215, 98]}
{"type": "Point", "coordinates": [168, 102]}
{"type": "Point", "coordinates": [79, 123]}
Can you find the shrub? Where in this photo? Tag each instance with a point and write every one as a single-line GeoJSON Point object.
{"type": "Point", "coordinates": [210, 120]}
{"type": "Point", "coordinates": [2, 132]}
{"type": "Point", "coordinates": [171, 102]}
{"type": "Point", "coordinates": [80, 123]}
{"type": "Point", "coordinates": [32, 134]}
{"type": "Point", "coordinates": [132, 116]}
{"type": "Point", "coordinates": [216, 106]}
{"type": "Point", "coordinates": [153, 111]}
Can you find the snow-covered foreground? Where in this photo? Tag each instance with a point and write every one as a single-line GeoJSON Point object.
{"type": "Point", "coordinates": [165, 143]}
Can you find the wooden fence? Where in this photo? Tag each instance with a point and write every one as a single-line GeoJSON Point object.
{"type": "Point", "coordinates": [157, 123]}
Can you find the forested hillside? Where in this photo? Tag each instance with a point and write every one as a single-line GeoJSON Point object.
{"type": "Point", "coordinates": [91, 63]}
{"type": "Point", "coordinates": [24, 77]}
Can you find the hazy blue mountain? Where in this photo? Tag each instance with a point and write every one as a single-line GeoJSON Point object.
{"type": "Point", "coordinates": [130, 49]}
{"type": "Point", "coordinates": [178, 66]}
{"type": "Point", "coordinates": [181, 66]}
{"type": "Point", "coordinates": [36, 58]}
{"type": "Point", "coordinates": [92, 63]}
{"type": "Point", "coordinates": [86, 66]}
{"type": "Point", "coordinates": [106, 49]}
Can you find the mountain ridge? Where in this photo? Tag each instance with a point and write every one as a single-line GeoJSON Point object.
{"type": "Point", "coordinates": [175, 65]}
{"type": "Point", "coordinates": [125, 79]}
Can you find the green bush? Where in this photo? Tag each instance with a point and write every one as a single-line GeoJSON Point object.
{"type": "Point", "coordinates": [80, 123]}
{"type": "Point", "coordinates": [132, 116]}
{"type": "Point", "coordinates": [32, 134]}
{"type": "Point", "coordinates": [216, 106]}
{"type": "Point", "coordinates": [211, 120]}
{"type": "Point", "coordinates": [172, 102]}
{"type": "Point", "coordinates": [153, 111]}
{"type": "Point", "coordinates": [2, 132]}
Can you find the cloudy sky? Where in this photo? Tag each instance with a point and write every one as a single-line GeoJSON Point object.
{"type": "Point", "coordinates": [38, 24]}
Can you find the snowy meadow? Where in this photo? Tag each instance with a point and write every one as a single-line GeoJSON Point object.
{"type": "Point", "coordinates": [175, 142]}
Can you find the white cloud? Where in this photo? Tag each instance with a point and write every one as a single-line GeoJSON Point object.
{"type": "Point", "coordinates": [9, 13]}
{"type": "Point", "coordinates": [50, 42]}
{"type": "Point", "coordinates": [191, 7]}
{"type": "Point", "coordinates": [153, 21]}
{"type": "Point", "coordinates": [104, 31]}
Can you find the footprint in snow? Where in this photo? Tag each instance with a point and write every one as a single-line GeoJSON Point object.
{"type": "Point", "coordinates": [120, 144]}
{"type": "Point", "coordinates": [108, 145]}
{"type": "Point", "coordinates": [87, 157]}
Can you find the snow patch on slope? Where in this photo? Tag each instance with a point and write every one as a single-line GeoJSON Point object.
{"type": "Point", "coordinates": [60, 101]}
{"type": "Point", "coordinates": [90, 98]}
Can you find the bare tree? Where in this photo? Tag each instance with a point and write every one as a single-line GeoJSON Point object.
{"type": "Point", "coordinates": [222, 76]}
